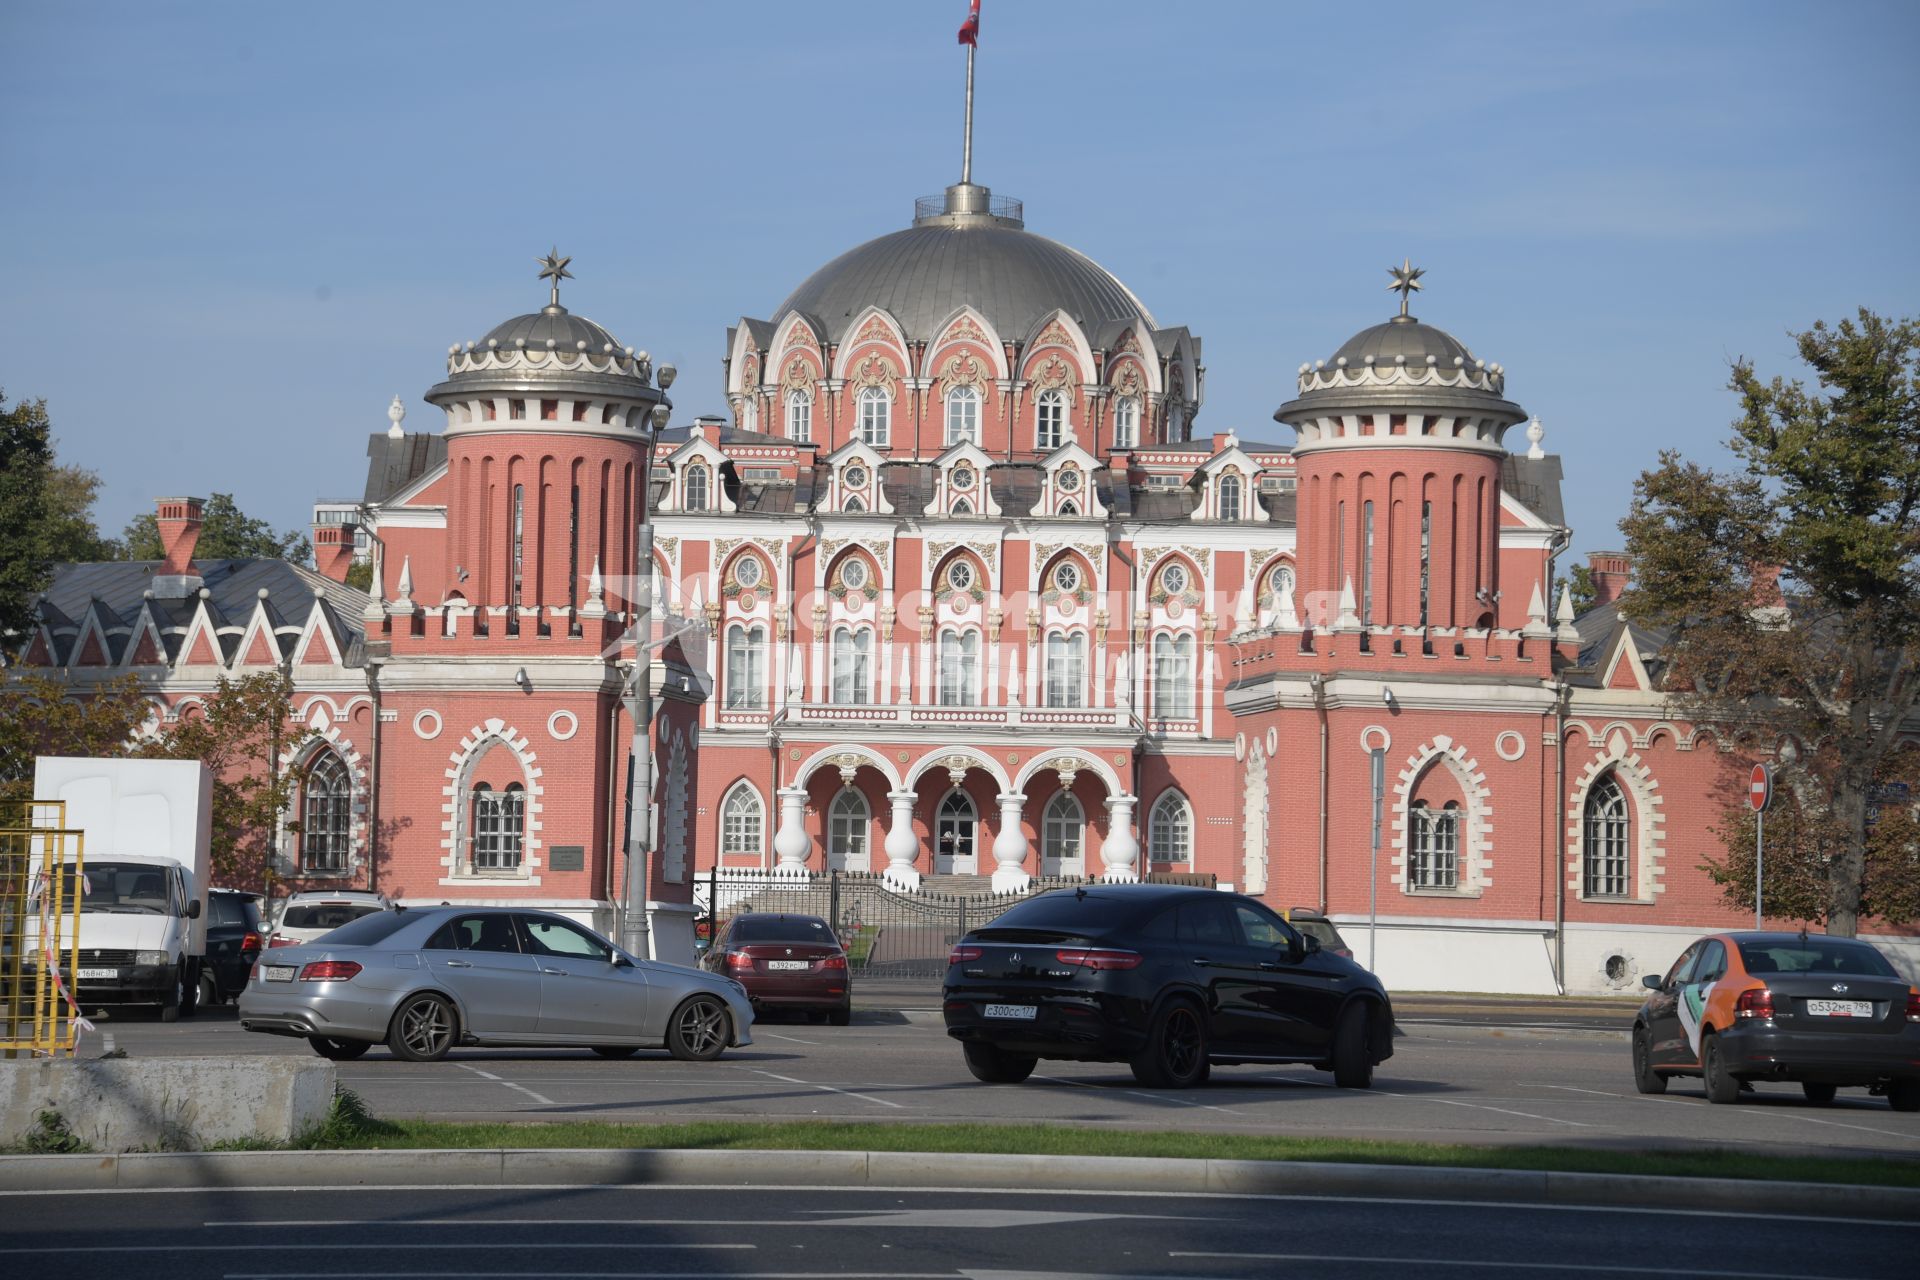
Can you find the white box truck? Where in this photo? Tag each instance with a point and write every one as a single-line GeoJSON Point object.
{"type": "Point", "coordinates": [144, 876]}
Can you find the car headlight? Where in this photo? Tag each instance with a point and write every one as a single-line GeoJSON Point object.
{"type": "Point", "coordinates": [152, 957]}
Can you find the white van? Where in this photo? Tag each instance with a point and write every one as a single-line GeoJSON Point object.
{"type": "Point", "coordinates": [143, 877]}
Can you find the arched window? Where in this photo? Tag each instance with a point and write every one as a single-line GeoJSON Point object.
{"type": "Point", "coordinates": [1170, 829]}
{"type": "Point", "coordinates": [746, 667]}
{"type": "Point", "coordinates": [953, 835]}
{"type": "Point", "coordinates": [1069, 508]}
{"type": "Point", "coordinates": [799, 416]}
{"type": "Point", "coordinates": [519, 539]}
{"type": "Point", "coordinates": [1126, 422]}
{"type": "Point", "coordinates": [1434, 860]}
{"type": "Point", "coordinates": [962, 507]}
{"type": "Point", "coordinates": [876, 416]}
{"type": "Point", "coordinates": [750, 412]}
{"type": "Point", "coordinates": [1173, 677]}
{"type": "Point", "coordinates": [848, 822]}
{"type": "Point", "coordinates": [959, 668]}
{"type": "Point", "coordinates": [1229, 497]}
{"type": "Point", "coordinates": [851, 652]}
{"type": "Point", "coordinates": [499, 827]}
{"type": "Point", "coordinates": [327, 816]}
{"type": "Point", "coordinates": [1605, 855]}
{"type": "Point", "coordinates": [854, 503]}
{"type": "Point", "coordinates": [1049, 419]}
{"type": "Point", "coordinates": [1366, 563]}
{"type": "Point", "coordinates": [696, 489]}
{"type": "Point", "coordinates": [1063, 829]}
{"type": "Point", "coordinates": [742, 821]}
{"type": "Point", "coordinates": [1066, 670]}
{"type": "Point", "coordinates": [963, 416]}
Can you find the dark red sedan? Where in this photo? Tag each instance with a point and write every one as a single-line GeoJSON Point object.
{"type": "Point", "coordinates": [786, 962]}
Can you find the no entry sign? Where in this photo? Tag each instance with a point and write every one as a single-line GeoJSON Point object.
{"type": "Point", "coordinates": [1759, 788]}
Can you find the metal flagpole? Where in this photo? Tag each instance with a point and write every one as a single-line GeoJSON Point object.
{"type": "Point", "coordinates": [1759, 861]}
{"type": "Point", "coordinates": [1373, 864]}
{"type": "Point", "coordinates": [966, 151]}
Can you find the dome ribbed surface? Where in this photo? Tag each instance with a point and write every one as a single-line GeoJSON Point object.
{"type": "Point", "coordinates": [1413, 340]}
{"type": "Point", "coordinates": [922, 275]}
{"type": "Point", "coordinates": [566, 329]}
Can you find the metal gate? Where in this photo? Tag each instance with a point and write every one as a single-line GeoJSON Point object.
{"type": "Point", "coordinates": [41, 879]}
{"type": "Point", "coordinates": [888, 934]}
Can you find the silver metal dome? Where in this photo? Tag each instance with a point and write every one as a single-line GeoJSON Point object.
{"type": "Point", "coordinates": [963, 256]}
{"type": "Point", "coordinates": [1403, 337]}
{"type": "Point", "coordinates": [1399, 365]}
{"type": "Point", "coordinates": [565, 329]}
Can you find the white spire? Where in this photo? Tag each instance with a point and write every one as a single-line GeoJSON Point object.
{"type": "Point", "coordinates": [596, 591]}
{"type": "Point", "coordinates": [405, 586]}
{"type": "Point", "coordinates": [1564, 617]}
{"type": "Point", "coordinates": [1536, 613]}
{"type": "Point", "coordinates": [1349, 619]}
{"type": "Point", "coordinates": [1287, 619]}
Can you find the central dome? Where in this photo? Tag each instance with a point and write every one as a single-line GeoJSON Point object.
{"type": "Point", "coordinates": [962, 256]}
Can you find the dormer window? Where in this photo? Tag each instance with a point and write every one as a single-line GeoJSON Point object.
{"type": "Point", "coordinates": [695, 497]}
{"type": "Point", "coordinates": [963, 416]}
{"type": "Point", "coordinates": [962, 507]}
{"type": "Point", "coordinates": [1049, 420]}
{"type": "Point", "coordinates": [1126, 422]}
{"type": "Point", "coordinates": [855, 503]}
{"type": "Point", "coordinates": [876, 416]}
{"type": "Point", "coordinates": [1230, 497]}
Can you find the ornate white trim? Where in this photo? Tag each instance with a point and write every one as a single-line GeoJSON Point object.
{"type": "Point", "coordinates": [420, 730]}
{"type": "Point", "coordinates": [554, 730]}
{"type": "Point", "coordinates": [1510, 746]}
{"type": "Point", "coordinates": [459, 764]}
{"type": "Point", "coordinates": [1474, 846]}
{"type": "Point", "coordinates": [297, 756]}
{"type": "Point", "coordinates": [1649, 823]}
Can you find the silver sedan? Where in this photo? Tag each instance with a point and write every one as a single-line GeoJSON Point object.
{"type": "Point", "coordinates": [423, 982]}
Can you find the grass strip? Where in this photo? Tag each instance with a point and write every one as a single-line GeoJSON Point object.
{"type": "Point", "coordinates": [1026, 1139]}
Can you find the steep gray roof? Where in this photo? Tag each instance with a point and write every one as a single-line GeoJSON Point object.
{"type": "Point", "coordinates": [393, 464]}
{"type": "Point", "coordinates": [1536, 483]}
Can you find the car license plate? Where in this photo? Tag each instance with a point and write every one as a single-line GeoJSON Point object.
{"type": "Point", "coordinates": [788, 964]}
{"type": "Point", "coordinates": [102, 974]}
{"type": "Point", "coordinates": [1020, 1012]}
{"type": "Point", "coordinates": [280, 973]}
{"type": "Point", "coordinates": [1840, 1008]}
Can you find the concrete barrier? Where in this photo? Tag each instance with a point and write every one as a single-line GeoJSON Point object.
{"type": "Point", "coordinates": [167, 1104]}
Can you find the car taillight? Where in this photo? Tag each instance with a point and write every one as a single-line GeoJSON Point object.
{"type": "Point", "coordinates": [1913, 1005]}
{"type": "Point", "coordinates": [739, 960]}
{"type": "Point", "coordinates": [1088, 958]}
{"type": "Point", "coordinates": [1754, 1004]}
{"type": "Point", "coordinates": [250, 943]}
{"type": "Point", "coordinates": [329, 971]}
{"type": "Point", "coordinates": [253, 974]}
{"type": "Point", "coordinates": [278, 941]}
{"type": "Point", "coordinates": [834, 962]}
{"type": "Point", "coordinates": [964, 955]}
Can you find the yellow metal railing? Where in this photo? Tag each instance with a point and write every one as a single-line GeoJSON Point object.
{"type": "Point", "coordinates": [39, 921]}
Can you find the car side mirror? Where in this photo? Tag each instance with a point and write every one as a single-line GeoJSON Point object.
{"type": "Point", "coordinates": [1313, 943]}
{"type": "Point", "coordinates": [620, 961]}
{"type": "Point", "coordinates": [193, 909]}
{"type": "Point", "coordinates": [1652, 981]}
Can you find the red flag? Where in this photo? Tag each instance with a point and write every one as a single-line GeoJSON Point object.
{"type": "Point", "coordinates": [970, 29]}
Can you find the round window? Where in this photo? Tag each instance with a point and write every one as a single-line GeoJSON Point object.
{"type": "Point", "coordinates": [853, 574]}
{"type": "Point", "coordinates": [1069, 482]}
{"type": "Point", "coordinates": [963, 478]}
{"type": "Point", "coordinates": [1282, 580]}
{"type": "Point", "coordinates": [1173, 579]}
{"type": "Point", "coordinates": [1066, 577]}
{"type": "Point", "coordinates": [855, 476]}
{"type": "Point", "coordinates": [960, 576]}
{"type": "Point", "coordinates": [747, 571]}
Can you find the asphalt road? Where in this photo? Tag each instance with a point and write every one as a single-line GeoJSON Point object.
{"type": "Point", "coordinates": [1448, 1081]}
{"type": "Point", "coordinates": [801, 1233]}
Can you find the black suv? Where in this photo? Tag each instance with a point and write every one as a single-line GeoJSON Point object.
{"type": "Point", "coordinates": [1169, 979]}
{"type": "Point", "coordinates": [233, 944]}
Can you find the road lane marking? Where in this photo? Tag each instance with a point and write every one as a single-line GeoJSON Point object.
{"type": "Point", "coordinates": [539, 1098]}
{"type": "Point", "coordinates": [1554, 1267]}
{"type": "Point", "coordinates": [1758, 1113]}
{"type": "Point", "coordinates": [1598, 1093]}
{"type": "Point", "coordinates": [1135, 1093]}
{"type": "Point", "coordinates": [986, 1217]}
{"type": "Point", "coordinates": [1477, 1106]}
{"type": "Point", "coordinates": [897, 1106]}
{"type": "Point", "coordinates": [597, 1275]}
{"type": "Point", "coordinates": [327, 1246]}
{"type": "Point", "coordinates": [789, 1039]}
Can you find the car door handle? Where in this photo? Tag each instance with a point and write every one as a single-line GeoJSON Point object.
{"type": "Point", "coordinates": [457, 964]}
{"type": "Point", "coordinates": [557, 973]}
{"type": "Point", "coordinates": [1270, 967]}
{"type": "Point", "coordinates": [1203, 963]}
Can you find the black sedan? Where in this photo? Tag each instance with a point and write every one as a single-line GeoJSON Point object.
{"type": "Point", "coordinates": [1169, 979]}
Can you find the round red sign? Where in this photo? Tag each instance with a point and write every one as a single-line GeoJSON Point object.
{"type": "Point", "coordinates": [1759, 788]}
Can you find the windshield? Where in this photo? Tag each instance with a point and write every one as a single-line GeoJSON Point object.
{"type": "Point", "coordinates": [129, 888]}
{"type": "Point", "coordinates": [368, 929]}
{"type": "Point", "coordinates": [326, 915]}
{"type": "Point", "coordinates": [782, 929]}
{"type": "Point", "coordinates": [1816, 956]}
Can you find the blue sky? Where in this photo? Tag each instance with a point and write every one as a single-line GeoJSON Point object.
{"type": "Point", "coordinates": [232, 232]}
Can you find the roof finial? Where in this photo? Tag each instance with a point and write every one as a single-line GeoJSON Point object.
{"type": "Point", "coordinates": [970, 37]}
{"type": "Point", "coordinates": [555, 267]}
{"type": "Point", "coordinates": [1406, 282]}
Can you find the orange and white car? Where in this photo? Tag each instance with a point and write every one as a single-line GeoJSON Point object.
{"type": "Point", "coordinates": [1823, 1011]}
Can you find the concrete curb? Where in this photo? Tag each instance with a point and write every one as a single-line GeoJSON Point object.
{"type": "Point", "coordinates": [589, 1167]}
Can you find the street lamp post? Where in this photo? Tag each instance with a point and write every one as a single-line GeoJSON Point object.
{"type": "Point", "coordinates": [635, 934]}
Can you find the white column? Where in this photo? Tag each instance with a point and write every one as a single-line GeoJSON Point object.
{"type": "Point", "coordinates": [790, 842]}
{"type": "Point", "coordinates": [901, 845]}
{"type": "Point", "coordinates": [1010, 846]}
{"type": "Point", "coordinates": [1120, 851]}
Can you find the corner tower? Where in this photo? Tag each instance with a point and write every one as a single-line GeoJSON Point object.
{"type": "Point", "coordinates": [1400, 441]}
{"type": "Point", "coordinates": [548, 421]}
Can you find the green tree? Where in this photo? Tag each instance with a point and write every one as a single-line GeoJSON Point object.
{"type": "Point", "coordinates": [1790, 591]}
{"type": "Point", "coordinates": [39, 718]}
{"type": "Point", "coordinates": [226, 532]}
{"type": "Point", "coordinates": [71, 535]}
{"type": "Point", "coordinates": [360, 575]}
{"type": "Point", "coordinates": [238, 733]}
{"type": "Point", "coordinates": [26, 461]}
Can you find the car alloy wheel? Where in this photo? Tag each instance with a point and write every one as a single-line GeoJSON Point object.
{"type": "Point", "coordinates": [1721, 1086]}
{"type": "Point", "coordinates": [422, 1029]}
{"type": "Point", "coordinates": [1645, 1078]}
{"type": "Point", "coordinates": [1175, 1055]}
{"type": "Point", "coordinates": [698, 1032]}
{"type": "Point", "coordinates": [209, 991]}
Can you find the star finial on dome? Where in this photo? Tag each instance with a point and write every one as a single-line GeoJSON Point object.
{"type": "Point", "coordinates": [1406, 282]}
{"type": "Point", "coordinates": [555, 267]}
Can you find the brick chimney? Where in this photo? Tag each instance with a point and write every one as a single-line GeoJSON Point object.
{"type": "Point", "coordinates": [1610, 570]}
{"type": "Point", "coordinates": [333, 550]}
{"type": "Point", "coordinates": [178, 520]}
